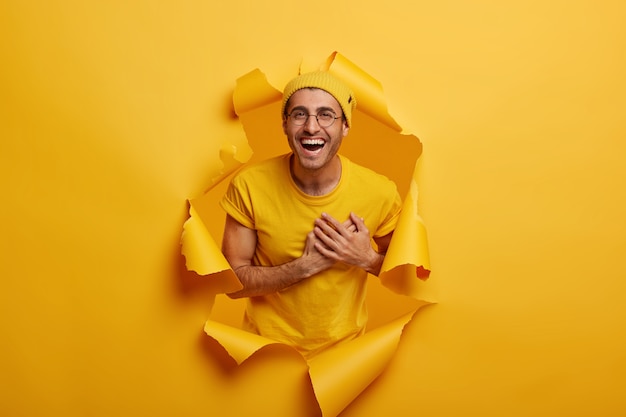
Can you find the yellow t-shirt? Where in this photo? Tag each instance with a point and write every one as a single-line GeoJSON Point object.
{"type": "Point", "coordinates": [329, 307]}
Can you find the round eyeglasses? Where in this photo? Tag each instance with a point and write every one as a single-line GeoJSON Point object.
{"type": "Point", "coordinates": [324, 118]}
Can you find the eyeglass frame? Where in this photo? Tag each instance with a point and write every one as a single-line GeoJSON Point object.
{"type": "Point", "coordinates": [290, 116]}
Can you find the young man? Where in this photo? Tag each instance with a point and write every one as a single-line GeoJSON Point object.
{"type": "Point", "coordinates": [297, 230]}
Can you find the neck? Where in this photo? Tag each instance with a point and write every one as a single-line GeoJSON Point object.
{"type": "Point", "coordinates": [319, 181]}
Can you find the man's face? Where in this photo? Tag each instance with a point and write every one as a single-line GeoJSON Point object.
{"type": "Point", "coordinates": [314, 145]}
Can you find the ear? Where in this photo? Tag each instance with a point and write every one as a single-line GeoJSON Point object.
{"type": "Point", "coordinates": [345, 128]}
{"type": "Point", "coordinates": [284, 125]}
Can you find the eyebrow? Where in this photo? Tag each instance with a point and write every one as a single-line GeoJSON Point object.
{"type": "Point", "coordinates": [319, 109]}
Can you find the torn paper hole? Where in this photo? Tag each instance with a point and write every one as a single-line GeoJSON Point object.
{"type": "Point", "coordinates": [340, 374]}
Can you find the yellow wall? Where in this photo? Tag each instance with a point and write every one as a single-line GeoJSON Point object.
{"type": "Point", "coordinates": [112, 113]}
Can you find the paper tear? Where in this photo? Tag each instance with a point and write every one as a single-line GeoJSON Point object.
{"type": "Point", "coordinates": [367, 90]}
{"type": "Point", "coordinates": [349, 369]}
{"type": "Point", "coordinates": [232, 158]}
{"type": "Point", "coordinates": [253, 91]}
{"type": "Point", "coordinates": [203, 256]}
{"type": "Point", "coordinates": [340, 374]}
{"type": "Point", "coordinates": [239, 344]}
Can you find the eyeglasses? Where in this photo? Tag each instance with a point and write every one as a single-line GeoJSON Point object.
{"type": "Point", "coordinates": [324, 119]}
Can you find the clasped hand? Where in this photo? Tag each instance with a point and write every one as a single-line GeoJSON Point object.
{"type": "Point", "coordinates": [348, 242]}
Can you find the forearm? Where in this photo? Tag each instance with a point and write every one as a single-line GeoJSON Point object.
{"type": "Point", "coordinates": [374, 262]}
{"type": "Point", "coordinates": [263, 280]}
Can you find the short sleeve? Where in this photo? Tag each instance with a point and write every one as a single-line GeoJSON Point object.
{"type": "Point", "coordinates": [391, 208]}
{"type": "Point", "coordinates": [237, 202]}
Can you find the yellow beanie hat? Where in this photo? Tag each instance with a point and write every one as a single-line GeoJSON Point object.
{"type": "Point", "coordinates": [327, 82]}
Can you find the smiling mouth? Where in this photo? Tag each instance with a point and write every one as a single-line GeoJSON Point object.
{"type": "Point", "coordinates": [312, 144]}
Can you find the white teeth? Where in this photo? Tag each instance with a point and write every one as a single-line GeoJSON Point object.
{"type": "Point", "coordinates": [312, 142]}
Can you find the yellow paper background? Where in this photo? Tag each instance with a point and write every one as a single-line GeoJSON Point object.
{"type": "Point", "coordinates": [113, 114]}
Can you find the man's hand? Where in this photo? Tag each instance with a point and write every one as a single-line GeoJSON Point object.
{"type": "Point", "coordinates": [347, 242]}
{"type": "Point", "coordinates": [315, 260]}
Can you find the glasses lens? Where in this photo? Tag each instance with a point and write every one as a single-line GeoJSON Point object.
{"type": "Point", "coordinates": [298, 118]}
{"type": "Point", "coordinates": [324, 119]}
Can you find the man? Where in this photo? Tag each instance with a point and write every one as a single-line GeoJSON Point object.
{"type": "Point", "coordinates": [297, 230]}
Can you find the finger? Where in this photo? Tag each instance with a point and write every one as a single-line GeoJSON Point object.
{"type": "Point", "coordinates": [349, 225]}
{"type": "Point", "coordinates": [310, 242]}
{"type": "Point", "coordinates": [330, 228]}
{"type": "Point", "coordinates": [335, 224]}
{"type": "Point", "coordinates": [325, 251]}
{"type": "Point", "coordinates": [359, 222]}
{"type": "Point", "coordinates": [326, 235]}
{"type": "Point", "coordinates": [325, 226]}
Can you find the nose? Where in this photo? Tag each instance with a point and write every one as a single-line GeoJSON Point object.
{"type": "Point", "coordinates": [311, 124]}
